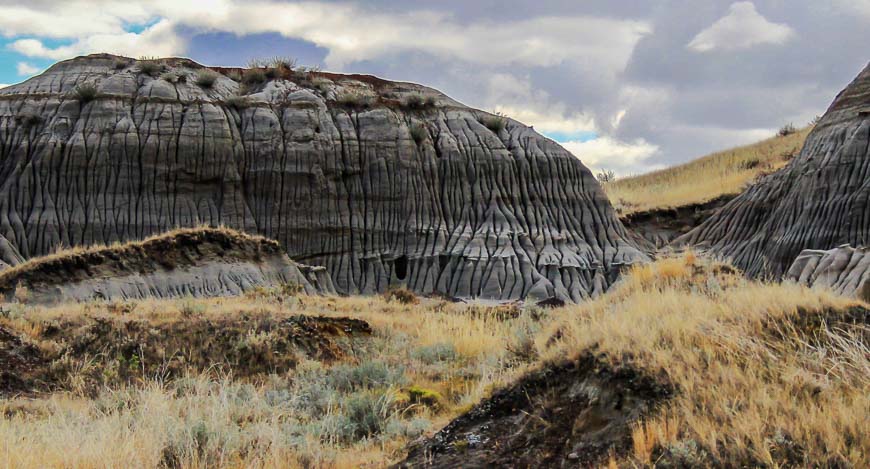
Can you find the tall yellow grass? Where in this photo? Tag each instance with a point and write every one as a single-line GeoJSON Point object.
{"type": "Point", "coordinates": [756, 366]}
{"type": "Point", "coordinates": [706, 178]}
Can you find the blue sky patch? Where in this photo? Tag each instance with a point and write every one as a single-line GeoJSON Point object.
{"type": "Point", "coordinates": [579, 136]}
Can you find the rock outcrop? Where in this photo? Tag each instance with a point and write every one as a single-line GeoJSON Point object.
{"type": "Point", "coordinates": [844, 269]}
{"type": "Point", "coordinates": [192, 262]}
{"type": "Point", "coordinates": [380, 182]}
{"type": "Point", "coordinates": [820, 200]}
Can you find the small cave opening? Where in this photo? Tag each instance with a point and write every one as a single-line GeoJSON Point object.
{"type": "Point", "coordinates": [401, 266]}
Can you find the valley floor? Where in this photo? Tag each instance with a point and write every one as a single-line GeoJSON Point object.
{"type": "Point", "coordinates": [684, 363]}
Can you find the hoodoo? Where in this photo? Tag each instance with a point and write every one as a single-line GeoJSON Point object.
{"type": "Point", "coordinates": [380, 182]}
{"type": "Point", "coordinates": [821, 200]}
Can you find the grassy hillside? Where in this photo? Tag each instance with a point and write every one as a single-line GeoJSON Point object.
{"type": "Point", "coordinates": [706, 178]}
{"type": "Point", "coordinates": [764, 374]}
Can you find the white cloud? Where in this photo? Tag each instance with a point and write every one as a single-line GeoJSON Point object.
{"type": "Point", "coordinates": [741, 28]}
{"type": "Point", "coordinates": [349, 33]}
{"type": "Point", "coordinates": [624, 158]}
{"type": "Point", "coordinates": [158, 39]}
{"type": "Point", "coordinates": [26, 69]}
{"type": "Point", "coordinates": [518, 99]}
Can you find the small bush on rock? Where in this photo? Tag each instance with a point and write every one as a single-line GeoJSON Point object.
{"type": "Point", "coordinates": [206, 78]}
{"type": "Point", "coordinates": [85, 93]}
{"type": "Point", "coordinates": [496, 122]}
{"type": "Point", "coordinates": [418, 101]}
{"type": "Point", "coordinates": [150, 68]}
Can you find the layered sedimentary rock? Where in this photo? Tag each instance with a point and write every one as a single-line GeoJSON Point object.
{"type": "Point", "coordinates": [819, 201]}
{"type": "Point", "coordinates": [844, 269]}
{"type": "Point", "coordinates": [379, 182]}
{"type": "Point", "coordinates": [192, 262]}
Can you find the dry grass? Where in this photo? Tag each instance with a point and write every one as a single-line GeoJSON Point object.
{"type": "Point", "coordinates": [765, 375]}
{"type": "Point", "coordinates": [454, 352]}
{"type": "Point", "coordinates": [706, 178]}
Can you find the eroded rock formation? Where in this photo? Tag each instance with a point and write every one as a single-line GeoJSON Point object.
{"type": "Point", "coordinates": [380, 182]}
{"type": "Point", "coordinates": [844, 269]}
{"type": "Point", "coordinates": [191, 262]}
{"type": "Point", "coordinates": [819, 201]}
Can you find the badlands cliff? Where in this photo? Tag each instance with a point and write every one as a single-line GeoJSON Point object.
{"type": "Point", "coordinates": [819, 201]}
{"type": "Point", "coordinates": [380, 182]}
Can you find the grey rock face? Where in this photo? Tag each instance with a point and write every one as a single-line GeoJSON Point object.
{"type": "Point", "coordinates": [347, 172]}
{"type": "Point", "coordinates": [845, 270]}
{"type": "Point", "coordinates": [198, 263]}
{"type": "Point", "coordinates": [819, 201]}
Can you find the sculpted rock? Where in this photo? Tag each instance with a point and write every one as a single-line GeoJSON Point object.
{"type": "Point", "coordinates": [819, 201]}
{"type": "Point", "coordinates": [379, 182]}
{"type": "Point", "coordinates": [192, 262]}
{"type": "Point", "coordinates": [844, 269]}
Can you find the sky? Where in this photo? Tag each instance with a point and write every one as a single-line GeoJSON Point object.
{"type": "Point", "coordinates": [629, 86]}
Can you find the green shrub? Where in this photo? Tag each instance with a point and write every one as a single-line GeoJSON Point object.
{"type": "Point", "coordinates": [237, 102]}
{"type": "Point", "coordinates": [151, 68]}
{"type": "Point", "coordinates": [321, 84]}
{"type": "Point", "coordinates": [206, 78]}
{"type": "Point", "coordinates": [368, 375]}
{"type": "Point", "coordinates": [254, 76]}
{"type": "Point", "coordinates": [419, 134]}
{"type": "Point", "coordinates": [121, 64]}
{"type": "Point", "coordinates": [430, 354]}
{"type": "Point", "coordinates": [495, 122]}
{"type": "Point", "coordinates": [418, 101]}
{"type": "Point", "coordinates": [355, 100]}
{"type": "Point", "coordinates": [233, 75]}
{"type": "Point", "coordinates": [368, 412]}
{"type": "Point", "coordinates": [402, 295]}
{"type": "Point", "coordinates": [85, 93]}
{"type": "Point", "coordinates": [426, 397]}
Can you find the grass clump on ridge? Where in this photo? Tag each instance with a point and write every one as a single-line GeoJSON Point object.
{"type": "Point", "coordinates": [706, 178]}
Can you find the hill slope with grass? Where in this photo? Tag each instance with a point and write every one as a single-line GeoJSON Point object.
{"type": "Point", "coordinates": [196, 262]}
{"type": "Point", "coordinates": [721, 174]}
{"type": "Point", "coordinates": [819, 201]}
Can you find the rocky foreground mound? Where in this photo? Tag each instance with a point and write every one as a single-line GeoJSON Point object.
{"type": "Point", "coordinates": [819, 201]}
{"type": "Point", "coordinates": [194, 262]}
{"type": "Point", "coordinates": [380, 182]}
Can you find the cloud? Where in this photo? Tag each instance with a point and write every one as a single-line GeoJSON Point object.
{"type": "Point", "coordinates": [623, 158]}
{"type": "Point", "coordinates": [742, 28]}
{"type": "Point", "coordinates": [3, 85]}
{"type": "Point", "coordinates": [26, 69]}
{"type": "Point", "coordinates": [518, 99]}
{"type": "Point", "coordinates": [158, 39]}
{"type": "Point", "coordinates": [350, 33]}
